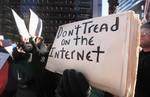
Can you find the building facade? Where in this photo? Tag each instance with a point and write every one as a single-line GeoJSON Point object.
{"type": "Point", "coordinates": [100, 8]}
{"type": "Point", "coordinates": [112, 6]}
{"type": "Point", "coordinates": [135, 5]}
{"type": "Point", "coordinates": [97, 8]}
{"type": "Point", "coordinates": [52, 12]}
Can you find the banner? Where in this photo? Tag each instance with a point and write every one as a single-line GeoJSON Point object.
{"type": "Point", "coordinates": [104, 49]}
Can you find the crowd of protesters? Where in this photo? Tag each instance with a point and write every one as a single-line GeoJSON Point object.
{"type": "Point", "coordinates": [27, 76]}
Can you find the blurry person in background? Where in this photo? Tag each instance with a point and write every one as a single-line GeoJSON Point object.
{"type": "Point", "coordinates": [143, 75]}
{"type": "Point", "coordinates": [47, 81]}
{"type": "Point", "coordinates": [24, 70]}
{"type": "Point", "coordinates": [3, 69]}
{"type": "Point", "coordinates": [10, 88]}
{"type": "Point", "coordinates": [42, 49]}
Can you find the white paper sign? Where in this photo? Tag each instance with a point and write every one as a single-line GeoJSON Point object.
{"type": "Point", "coordinates": [39, 28]}
{"type": "Point", "coordinates": [3, 58]}
{"type": "Point", "coordinates": [35, 24]}
{"type": "Point", "coordinates": [21, 25]}
{"type": "Point", "coordinates": [99, 48]}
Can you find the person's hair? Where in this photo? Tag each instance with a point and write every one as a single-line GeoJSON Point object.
{"type": "Point", "coordinates": [72, 84]}
{"type": "Point", "coordinates": [146, 25]}
{"type": "Point", "coordinates": [39, 38]}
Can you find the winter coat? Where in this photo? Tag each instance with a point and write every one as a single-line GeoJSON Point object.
{"type": "Point", "coordinates": [143, 75]}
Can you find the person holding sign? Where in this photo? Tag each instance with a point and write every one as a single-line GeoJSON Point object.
{"type": "Point", "coordinates": [143, 80]}
{"type": "Point", "coordinates": [73, 84]}
{"type": "Point", "coordinates": [42, 49]}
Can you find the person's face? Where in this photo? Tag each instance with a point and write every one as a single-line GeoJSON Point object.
{"type": "Point", "coordinates": [38, 41]}
{"type": "Point", "coordinates": [27, 46]}
{"type": "Point", "coordinates": [145, 38]}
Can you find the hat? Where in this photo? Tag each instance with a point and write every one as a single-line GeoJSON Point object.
{"type": "Point", "coordinates": [72, 84]}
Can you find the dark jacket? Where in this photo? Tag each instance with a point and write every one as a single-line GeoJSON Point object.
{"type": "Point", "coordinates": [27, 70]}
{"type": "Point", "coordinates": [23, 70]}
{"type": "Point", "coordinates": [143, 75]}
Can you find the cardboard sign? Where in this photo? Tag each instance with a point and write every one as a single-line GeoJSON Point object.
{"type": "Point", "coordinates": [3, 58]}
{"type": "Point", "coordinates": [104, 49]}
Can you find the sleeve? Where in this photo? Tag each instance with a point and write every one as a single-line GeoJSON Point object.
{"type": "Point", "coordinates": [19, 55]}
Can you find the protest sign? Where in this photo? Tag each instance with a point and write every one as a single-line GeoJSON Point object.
{"type": "Point", "coordinates": [35, 25]}
{"type": "Point", "coordinates": [21, 25]}
{"type": "Point", "coordinates": [104, 49]}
